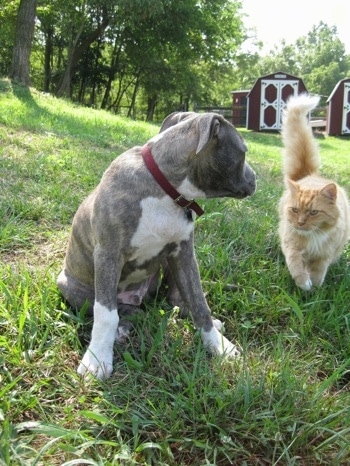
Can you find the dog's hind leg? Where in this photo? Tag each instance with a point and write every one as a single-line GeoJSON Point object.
{"type": "Point", "coordinates": [127, 313]}
{"type": "Point", "coordinates": [76, 293]}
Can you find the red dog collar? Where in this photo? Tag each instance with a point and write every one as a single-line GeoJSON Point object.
{"type": "Point", "coordinates": [165, 185]}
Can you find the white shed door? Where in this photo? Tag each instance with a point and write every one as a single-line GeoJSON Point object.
{"type": "Point", "coordinates": [345, 127]}
{"type": "Point", "coordinates": [274, 95]}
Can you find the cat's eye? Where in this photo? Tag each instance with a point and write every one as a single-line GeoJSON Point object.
{"type": "Point", "coordinates": [313, 212]}
{"type": "Point", "coordinates": [295, 210]}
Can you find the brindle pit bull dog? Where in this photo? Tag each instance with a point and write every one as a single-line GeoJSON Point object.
{"type": "Point", "coordinates": [130, 225]}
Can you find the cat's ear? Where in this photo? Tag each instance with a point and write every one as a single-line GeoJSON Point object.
{"type": "Point", "coordinates": [330, 191]}
{"type": "Point", "coordinates": [292, 186]}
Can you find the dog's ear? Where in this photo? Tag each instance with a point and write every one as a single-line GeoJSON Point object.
{"type": "Point", "coordinates": [209, 127]}
{"type": "Point", "coordinates": [168, 121]}
{"type": "Point", "coordinates": [175, 118]}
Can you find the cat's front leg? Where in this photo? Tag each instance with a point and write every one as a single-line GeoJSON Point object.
{"type": "Point", "coordinates": [318, 271]}
{"type": "Point", "coordinates": [298, 270]}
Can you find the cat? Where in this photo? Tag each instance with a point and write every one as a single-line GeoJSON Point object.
{"type": "Point", "coordinates": [314, 213]}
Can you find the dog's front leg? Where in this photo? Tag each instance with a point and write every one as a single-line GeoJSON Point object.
{"type": "Point", "coordinates": [98, 359]}
{"type": "Point", "coordinates": [186, 274]}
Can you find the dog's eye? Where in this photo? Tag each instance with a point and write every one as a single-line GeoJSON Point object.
{"type": "Point", "coordinates": [313, 212]}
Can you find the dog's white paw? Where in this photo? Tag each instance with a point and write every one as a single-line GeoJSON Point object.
{"type": "Point", "coordinates": [98, 362]}
{"type": "Point", "coordinates": [218, 324]}
{"type": "Point", "coordinates": [218, 344]}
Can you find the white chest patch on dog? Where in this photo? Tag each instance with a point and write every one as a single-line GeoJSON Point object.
{"type": "Point", "coordinates": [162, 222]}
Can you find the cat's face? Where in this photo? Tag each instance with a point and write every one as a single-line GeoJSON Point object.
{"type": "Point", "coordinates": [312, 210]}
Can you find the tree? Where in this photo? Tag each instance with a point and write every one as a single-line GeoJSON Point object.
{"type": "Point", "coordinates": [79, 44]}
{"type": "Point", "coordinates": [20, 68]}
{"type": "Point", "coordinates": [149, 56]}
{"type": "Point", "coordinates": [189, 37]}
{"type": "Point", "coordinates": [8, 19]}
{"type": "Point", "coordinates": [49, 15]}
{"type": "Point", "coordinates": [322, 58]}
{"type": "Point", "coordinates": [319, 58]}
{"type": "Point", "coordinates": [91, 21]}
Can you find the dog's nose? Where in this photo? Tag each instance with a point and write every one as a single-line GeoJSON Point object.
{"type": "Point", "coordinates": [252, 185]}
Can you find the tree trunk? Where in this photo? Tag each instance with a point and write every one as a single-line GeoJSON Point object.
{"type": "Point", "coordinates": [92, 99]}
{"type": "Point", "coordinates": [64, 87]}
{"type": "Point", "coordinates": [111, 75]}
{"type": "Point", "coordinates": [131, 111]}
{"type": "Point", "coordinates": [20, 68]}
{"type": "Point", "coordinates": [94, 79]}
{"type": "Point", "coordinates": [47, 59]}
{"type": "Point", "coordinates": [114, 106]}
{"type": "Point", "coordinates": [151, 106]}
{"type": "Point", "coordinates": [81, 93]}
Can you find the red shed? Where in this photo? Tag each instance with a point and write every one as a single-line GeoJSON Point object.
{"type": "Point", "coordinates": [267, 99]}
{"type": "Point", "coordinates": [338, 109]}
{"type": "Point", "coordinates": [239, 108]}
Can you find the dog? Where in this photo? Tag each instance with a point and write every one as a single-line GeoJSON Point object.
{"type": "Point", "coordinates": [140, 218]}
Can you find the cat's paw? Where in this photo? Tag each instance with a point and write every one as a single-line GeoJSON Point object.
{"type": "Point", "coordinates": [305, 285]}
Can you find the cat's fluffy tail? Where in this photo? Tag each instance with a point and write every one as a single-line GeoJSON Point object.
{"type": "Point", "coordinates": [301, 154]}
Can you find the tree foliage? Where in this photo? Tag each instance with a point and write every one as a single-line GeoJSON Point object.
{"type": "Point", "coordinates": [319, 58]}
{"type": "Point", "coordinates": [8, 15]}
{"type": "Point", "coordinates": [146, 58]}
{"type": "Point", "coordinates": [115, 54]}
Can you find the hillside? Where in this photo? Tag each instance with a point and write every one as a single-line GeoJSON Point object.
{"type": "Point", "coordinates": [168, 402]}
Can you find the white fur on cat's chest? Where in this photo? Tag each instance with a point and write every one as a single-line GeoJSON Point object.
{"type": "Point", "coordinates": [315, 244]}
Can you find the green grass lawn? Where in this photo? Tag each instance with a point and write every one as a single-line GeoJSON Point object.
{"type": "Point", "coordinates": [286, 402]}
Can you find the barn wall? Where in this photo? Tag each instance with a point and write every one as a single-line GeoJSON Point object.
{"type": "Point", "coordinates": [239, 108]}
{"type": "Point", "coordinates": [335, 110]}
{"type": "Point", "coordinates": [253, 109]}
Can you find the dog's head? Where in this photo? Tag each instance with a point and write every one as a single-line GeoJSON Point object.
{"type": "Point", "coordinates": [217, 165]}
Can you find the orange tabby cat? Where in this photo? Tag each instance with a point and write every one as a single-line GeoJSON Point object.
{"type": "Point", "coordinates": [314, 212]}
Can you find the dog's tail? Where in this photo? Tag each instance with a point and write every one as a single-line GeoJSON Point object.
{"type": "Point", "coordinates": [301, 154]}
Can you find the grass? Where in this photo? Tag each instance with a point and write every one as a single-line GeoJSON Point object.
{"type": "Point", "coordinates": [168, 402]}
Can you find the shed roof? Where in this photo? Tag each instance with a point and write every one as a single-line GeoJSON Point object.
{"type": "Point", "coordinates": [276, 75]}
{"type": "Point", "coordinates": [336, 87]}
{"type": "Point", "coordinates": [240, 90]}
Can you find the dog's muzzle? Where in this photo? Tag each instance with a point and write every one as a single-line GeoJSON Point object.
{"type": "Point", "coordinates": [248, 186]}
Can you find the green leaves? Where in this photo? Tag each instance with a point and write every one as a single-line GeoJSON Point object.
{"type": "Point", "coordinates": [319, 58]}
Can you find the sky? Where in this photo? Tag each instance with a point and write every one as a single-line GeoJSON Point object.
{"type": "Point", "coordinates": [275, 20]}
